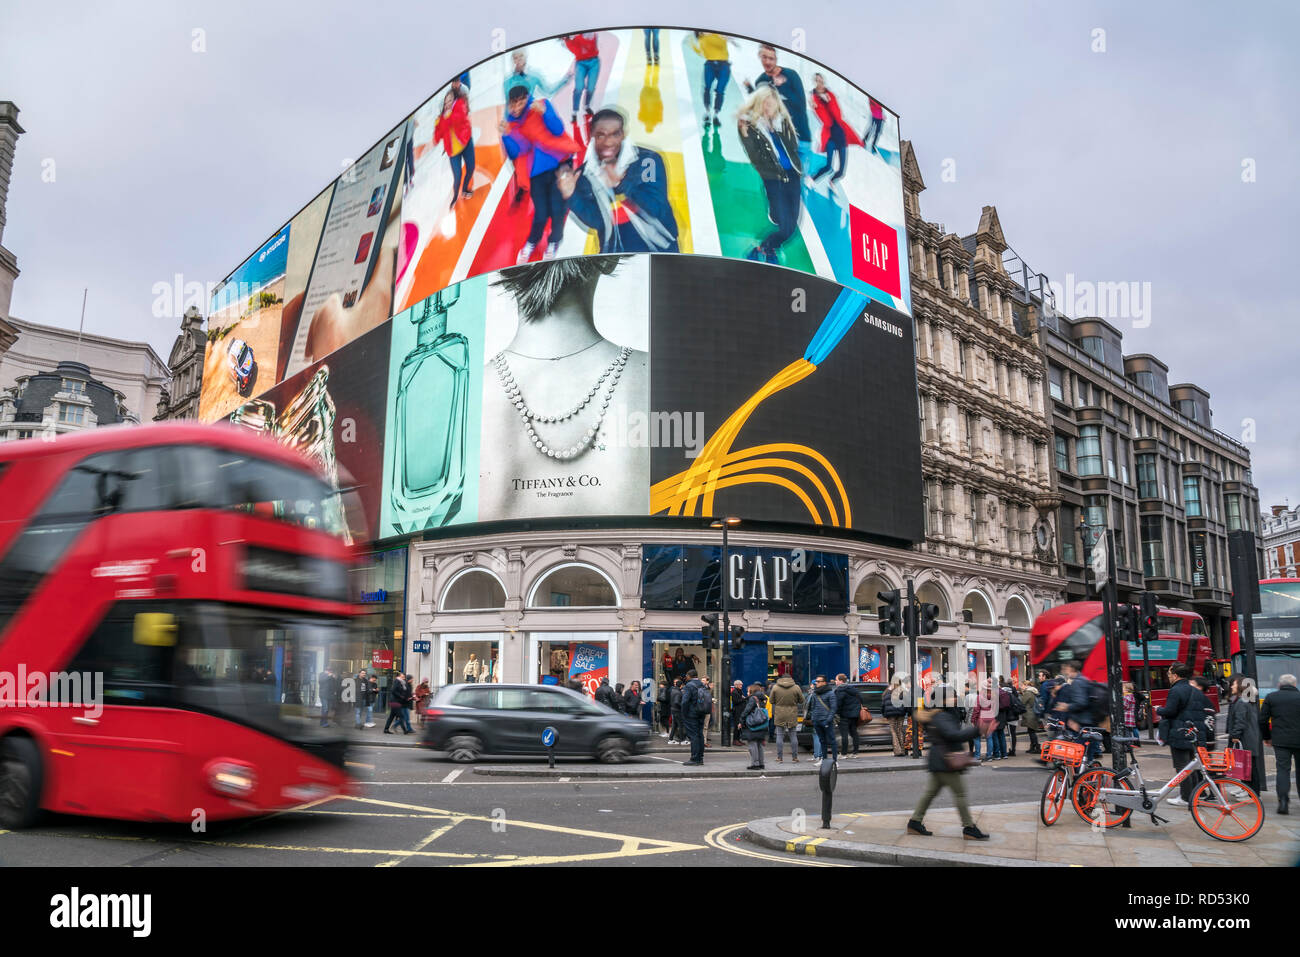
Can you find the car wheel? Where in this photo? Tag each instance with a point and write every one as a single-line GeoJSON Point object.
{"type": "Point", "coordinates": [464, 748]}
{"type": "Point", "coordinates": [613, 750]}
{"type": "Point", "coordinates": [20, 783]}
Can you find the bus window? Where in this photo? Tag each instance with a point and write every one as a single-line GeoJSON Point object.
{"type": "Point", "coordinates": [1198, 628]}
{"type": "Point", "coordinates": [135, 672]}
{"type": "Point", "coordinates": [1159, 677]}
{"type": "Point", "coordinates": [1170, 625]}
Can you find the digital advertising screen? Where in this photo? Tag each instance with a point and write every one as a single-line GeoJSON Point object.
{"type": "Point", "coordinates": [633, 272]}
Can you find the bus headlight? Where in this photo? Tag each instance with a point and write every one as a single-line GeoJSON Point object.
{"type": "Point", "coordinates": [232, 780]}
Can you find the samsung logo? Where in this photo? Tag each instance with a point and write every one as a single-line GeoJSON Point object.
{"type": "Point", "coordinates": [880, 324]}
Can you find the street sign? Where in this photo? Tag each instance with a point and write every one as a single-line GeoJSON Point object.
{"type": "Point", "coordinates": [548, 737]}
{"type": "Point", "coordinates": [422, 647]}
{"type": "Point", "coordinates": [1100, 566]}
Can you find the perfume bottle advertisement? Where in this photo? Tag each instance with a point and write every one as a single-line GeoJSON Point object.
{"type": "Point", "coordinates": [433, 411]}
{"type": "Point", "coordinates": [566, 389]}
{"type": "Point", "coordinates": [333, 413]}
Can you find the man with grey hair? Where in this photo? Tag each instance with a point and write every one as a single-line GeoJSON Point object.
{"type": "Point", "coordinates": [1279, 719]}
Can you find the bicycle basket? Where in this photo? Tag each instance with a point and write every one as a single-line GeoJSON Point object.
{"type": "Point", "coordinates": [1068, 751]}
{"type": "Point", "coordinates": [1216, 762]}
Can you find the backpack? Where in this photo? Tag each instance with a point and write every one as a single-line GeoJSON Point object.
{"type": "Point", "coordinates": [1098, 700]}
{"type": "Point", "coordinates": [1017, 706]}
{"type": "Point", "coordinates": [757, 718]}
{"type": "Point", "coordinates": [703, 700]}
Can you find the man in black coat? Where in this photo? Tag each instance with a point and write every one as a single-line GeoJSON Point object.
{"type": "Point", "coordinates": [848, 705]}
{"type": "Point", "coordinates": [675, 711]}
{"type": "Point", "coordinates": [1279, 720]}
{"type": "Point", "coordinates": [605, 694]}
{"type": "Point", "coordinates": [1184, 708]}
{"type": "Point", "coordinates": [693, 717]}
{"type": "Point", "coordinates": [738, 701]}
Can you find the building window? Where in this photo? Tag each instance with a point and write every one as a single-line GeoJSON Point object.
{"type": "Point", "coordinates": [72, 414]}
{"type": "Point", "coordinates": [1094, 511]}
{"type": "Point", "coordinates": [1094, 347]}
{"type": "Point", "coordinates": [1054, 376]}
{"type": "Point", "coordinates": [1234, 512]}
{"type": "Point", "coordinates": [1067, 526]}
{"type": "Point", "coordinates": [1192, 495]}
{"type": "Point", "coordinates": [1088, 450]}
{"type": "Point", "coordinates": [1110, 454]}
{"type": "Point", "coordinates": [1146, 381]}
{"type": "Point", "coordinates": [1062, 453]}
{"type": "Point", "coordinates": [1148, 483]}
{"type": "Point", "coordinates": [25, 433]}
{"type": "Point", "coordinates": [1153, 547]}
{"type": "Point", "coordinates": [75, 386]}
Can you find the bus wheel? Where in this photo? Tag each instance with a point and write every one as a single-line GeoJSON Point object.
{"type": "Point", "coordinates": [464, 748]}
{"type": "Point", "coordinates": [20, 783]}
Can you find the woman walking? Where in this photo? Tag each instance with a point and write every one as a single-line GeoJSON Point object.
{"type": "Point", "coordinates": [947, 759]}
{"type": "Point", "coordinates": [754, 719]}
{"type": "Point", "coordinates": [836, 134]}
{"type": "Point", "coordinates": [768, 135]}
{"type": "Point", "coordinates": [1243, 728]}
{"type": "Point", "coordinates": [422, 695]}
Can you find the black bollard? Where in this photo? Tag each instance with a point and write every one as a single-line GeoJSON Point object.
{"type": "Point", "coordinates": [826, 776]}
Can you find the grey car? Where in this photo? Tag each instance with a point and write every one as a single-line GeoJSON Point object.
{"type": "Point", "coordinates": [467, 721]}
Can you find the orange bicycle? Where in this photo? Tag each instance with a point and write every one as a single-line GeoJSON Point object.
{"type": "Point", "coordinates": [1223, 808]}
{"type": "Point", "coordinates": [1068, 756]}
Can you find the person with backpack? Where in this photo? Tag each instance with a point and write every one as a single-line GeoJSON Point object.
{"type": "Point", "coordinates": [1006, 714]}
{"type": "Point", "coordinates": [754, 719]}
{"type": "Point", "coordinates": [984, 717]}
{"type": "Point", "coordinates": [821, 715]}
{"type": "Point", "coordinates": [946, 761]}
{"type": "Point", "coordinates": [697, 701]}
{"type": "Point", "coordinates": [849, 708]}
{"type": "Point", "coordinates": [1028, 718]}
{"type": "Point", "coordinates": [1076, 702]}
{"type": "Point", "coordinates": [787, 698]}
{"type": "Point", "coordinates": [1182, 719]}
{"type": "Point", "coordinates": [1014, 711]}
{"type": "Point", "coordinates": [893, 708]}
{"type": "Point", "coordinates": [677, 730]}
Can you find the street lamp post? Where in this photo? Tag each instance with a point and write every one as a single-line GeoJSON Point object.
{"type": "Point", "coordinates": [724, 706]}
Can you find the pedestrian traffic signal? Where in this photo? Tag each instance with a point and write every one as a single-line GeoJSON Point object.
{"type": "Point", "coordinates": [929, 618]}
{"type": "Point", "coordinates": [891, 612]}
{"type": "Point", "coordinates": [710, 631]}
{"type": "Point", "coordinates": [738, 636]}
{"type": "Point", "coordinates": [1126, 624]}
{"type": "Point", "coordinates": [1150, 625]}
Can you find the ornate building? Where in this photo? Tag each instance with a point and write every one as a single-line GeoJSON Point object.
{"type": "Point", "coordinates": [185, 362]}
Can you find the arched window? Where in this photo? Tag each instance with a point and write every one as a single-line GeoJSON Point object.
{"type": "Point", "coordinates": [1017, 612]}
{"type": "Point", "coordinates": [979, 607]}
{"type": "Point", "coordinates": [574, 586]}
{"type": "Point", "coordinates": [473, 589]}
{"type": "Point", "coordinates": [865, 597]}
{"type": "Point", "coordinates": [930, 593]}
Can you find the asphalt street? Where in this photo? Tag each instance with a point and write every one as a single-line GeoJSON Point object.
{"type": "Point", "coordinates": [416, 809]}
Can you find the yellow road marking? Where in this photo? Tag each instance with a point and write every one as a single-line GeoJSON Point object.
{"type": "Point", "coordinates": [437, 833]}
{"type": "Point", "coordinates": [717, 839]}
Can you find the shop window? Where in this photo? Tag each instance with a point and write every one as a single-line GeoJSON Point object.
{"type": "Point", "coordinates": [473, 589]}
{"type": "Point", "coordinates": [978, 606]}
{"type": "Point", "coordinates": [1017, 613]}
{"type": "Point", "coordinates": [573, 585]}
{"type": "Point", "coordinates": [931, 594]}
{"type": "Point", "coordinates": [865, 596]}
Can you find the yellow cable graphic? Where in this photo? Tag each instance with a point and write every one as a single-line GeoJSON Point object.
{"type": "Point", "coordinates": [691, 491]}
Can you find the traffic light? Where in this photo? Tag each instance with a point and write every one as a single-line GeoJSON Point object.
{"type": "Point", "coordinates": [891, 612]}
{"type": "Point", "coordinates": [929, 618]}
{"type": "Point", "coordinates": [710, 631]}
{"type": "Point", "coordinates": [1125, 623]}
{"type": "Point", "coordinates": [738, 636]}
{"type": "Point", "coordinates": [1150, 624]}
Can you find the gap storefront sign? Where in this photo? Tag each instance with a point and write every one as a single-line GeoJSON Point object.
{"type": "Point", "coordinates": [689, 577]}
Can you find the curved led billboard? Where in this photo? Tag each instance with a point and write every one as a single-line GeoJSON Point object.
{"type": "Point", "coordinates": [555, 290]}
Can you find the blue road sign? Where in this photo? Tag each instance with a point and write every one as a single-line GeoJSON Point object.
{"type": "Point", "coordinates": [548, 737]}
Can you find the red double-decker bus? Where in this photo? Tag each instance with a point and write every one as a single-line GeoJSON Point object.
{"type": "Point", "coordinates": [1277, 634]}
{"type": "Point", "coordinates": [168, 595]}
{"type": "Point", "coordinates": [1074, 631]}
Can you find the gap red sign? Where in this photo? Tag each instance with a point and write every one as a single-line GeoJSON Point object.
{"type": "Point", "coordinates": [875, 252]}
{"type": "Point", "coordinates": [381, 659]}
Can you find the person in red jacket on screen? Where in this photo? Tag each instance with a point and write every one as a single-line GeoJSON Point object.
{"type": "Point", "coordinates": [586, 68]}
{"type": "Point", "coordinates": [454, 133]}
{"type": "Point", "coordinates": [837, 135]}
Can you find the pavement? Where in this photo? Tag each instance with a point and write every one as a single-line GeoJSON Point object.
{"type": "Point", "coordinates": [1018, 837]}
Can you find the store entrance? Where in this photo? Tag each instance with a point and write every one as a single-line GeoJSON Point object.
{"type": "Point", "coordinates": [558, 657]}
{"type": "Point", "coordinates": [805, 660]}
{"type": "Point", "coordinates": [469, 659]}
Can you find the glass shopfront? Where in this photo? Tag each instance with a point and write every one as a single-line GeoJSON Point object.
{"type": "Point", "coordinates": [763, 659]}
{"type": "Point", "coordinates": [583, 656]}
{"type": "Point", "coordinates": [472, 658]}
{"type": "Point", "coordinates": [379, 583]}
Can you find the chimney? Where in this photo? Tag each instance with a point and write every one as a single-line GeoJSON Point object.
{"type": "Point", "coordinates": [1278, 510]}
{"type": "Point", "coordinates": [9, 133]}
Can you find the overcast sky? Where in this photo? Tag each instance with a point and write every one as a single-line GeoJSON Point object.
{"type": "Point", "coordinates": [1122, 164]}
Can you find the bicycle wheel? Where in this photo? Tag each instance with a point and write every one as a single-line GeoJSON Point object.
{"type": "Point", "coordinates": [1089, 803]}
{"type": "Point", "coordinates": [1238, 817]}
{"type": "Point", "coordinates": [1053, 799]}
